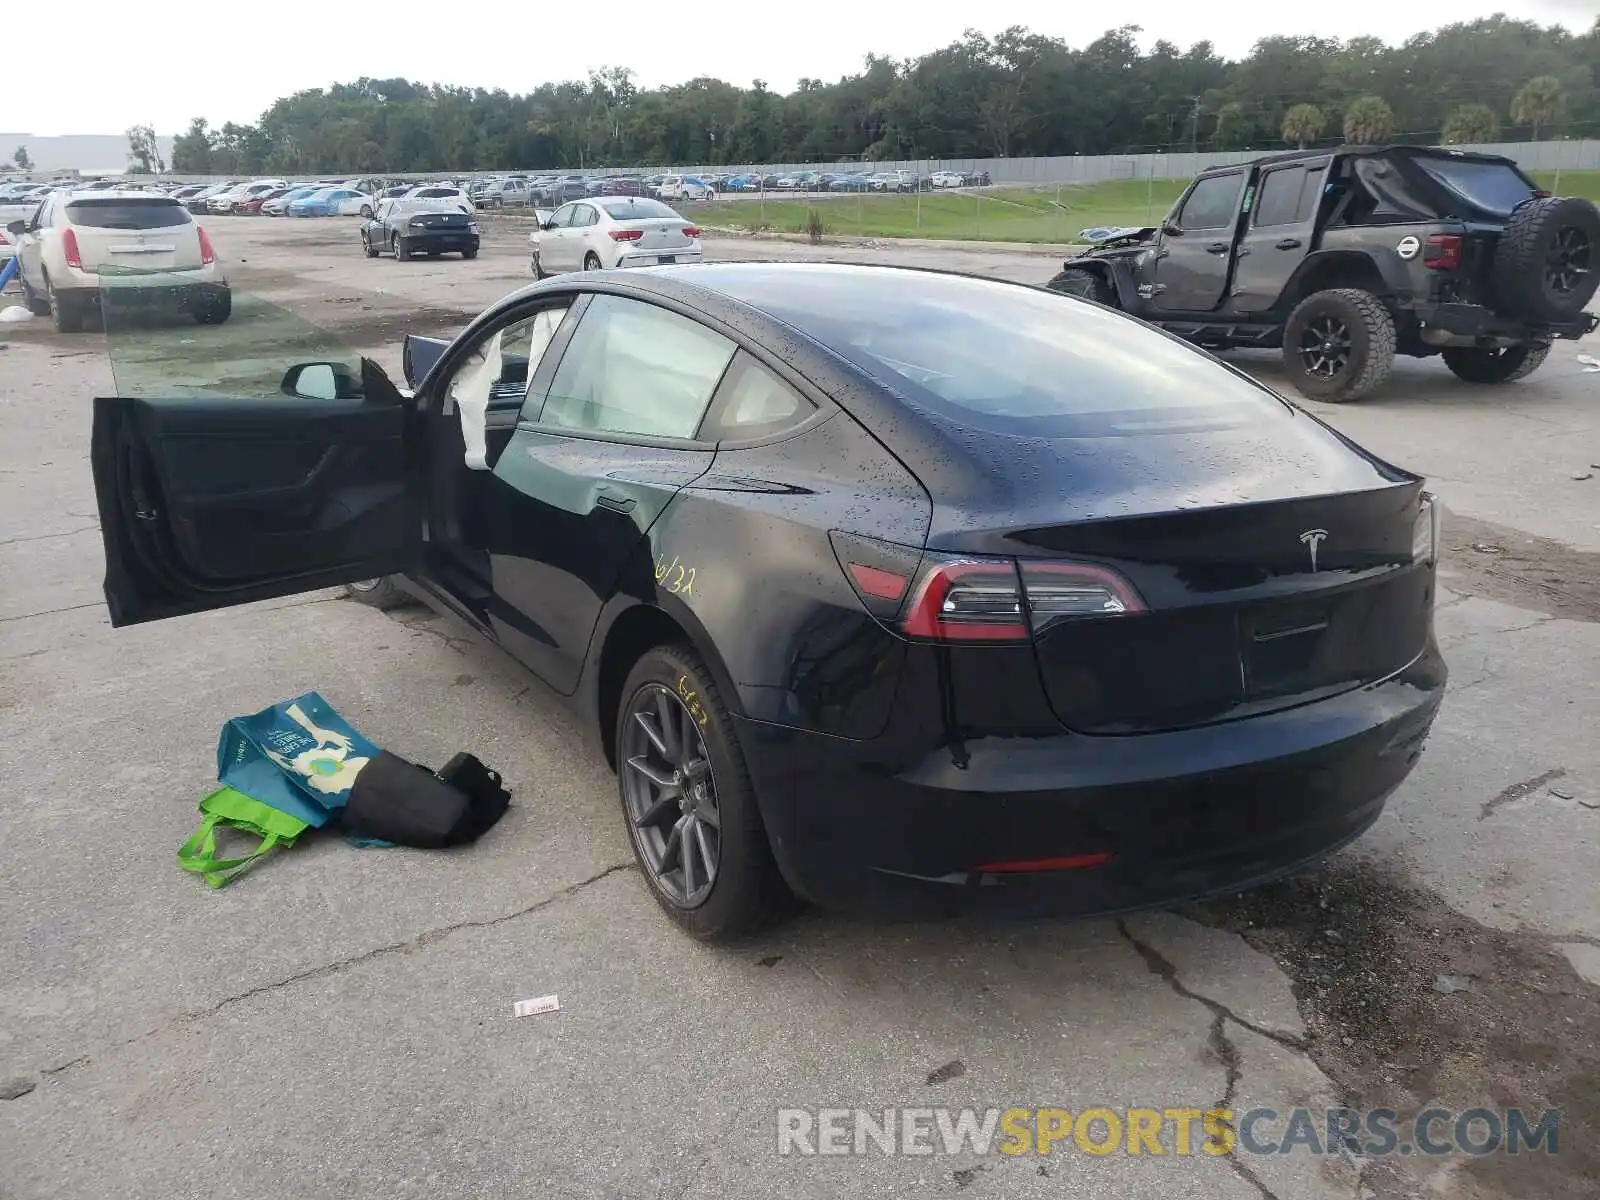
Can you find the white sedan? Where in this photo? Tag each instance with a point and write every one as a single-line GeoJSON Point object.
{"type": "Point", "coordinates": [613, 231]}
{"type": "Point", "coordinates": [945, 179]}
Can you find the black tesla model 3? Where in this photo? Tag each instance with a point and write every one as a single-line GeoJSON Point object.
{"type": "Point", "coordinates": [894, 589]}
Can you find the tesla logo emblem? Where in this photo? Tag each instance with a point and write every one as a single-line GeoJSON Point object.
{"type": "Point", "coordinates": [1312, 538]}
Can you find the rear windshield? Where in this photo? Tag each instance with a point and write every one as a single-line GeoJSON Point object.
{"type": "Point", "coordinates": [1011, 359]}
{"type": "Point", "coordinates": [1493, 187]}
{"type": "Point", "coordinates": [126, 212]}
{"type": "Point", "coordinates": [635, 208]}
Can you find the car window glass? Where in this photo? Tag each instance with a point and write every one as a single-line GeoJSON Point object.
{"type": "Point", "coordinates": [1280, 201]}
{"type": "Point", "coordinates": [1212, 204]}
{"type": "Point", "coordinates": [583, 216]}
{"type": "Point", "coordinates": [498, 372]}
{"type": "Point", "coordinates": [562, 217]}
{"type": "Point", "coordinates": [753, 402]}
{"type": "Point", "coordinates": [636, 369]}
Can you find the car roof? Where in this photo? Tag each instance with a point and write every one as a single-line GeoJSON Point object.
{"type": "Point", "coordinates": [1406, 148]}
{"type": "Point", "coordinates": [115, 194]}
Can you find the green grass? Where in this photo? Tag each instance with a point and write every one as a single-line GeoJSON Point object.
{"type": "Point", "coordinates": [1035, 214]}
{"type": "Point", "coordinates": [1571, 183]}
{"type": "Point", "coordinates": [1039, 214]}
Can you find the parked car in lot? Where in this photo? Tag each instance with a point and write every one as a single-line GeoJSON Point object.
{"type": "Point", "coordinates": [332, 202]}
{"type": "Point", "coordinates": [79, 249]}
{"type": "Point", "coordinates": [228, 201]}
{"type": "Point", "coordinates": [617, 231]}
{"type": "Point", "coordinates": [408, 231]}
{"type": "Point", "coordinates": [1341, 259]}
{"type": "Point", "coordinates": [196, 203]}
{"type": "Point", "coordinates": [946, 179]}
{"type": "Point", "coordinates": [253, 206]}
{"type": "Point", "coordinates": [850, 183]}
{"type": "Point", "coordinates": [277, 206]}
{"type": "Point", "coordinates": [623, 185]}
{"type": "Point", "coordinates": [500, 193]}
{"type": "Point", "coordinates": [870, 583]}
{"type": "Point", "coordinates": [684, 187]}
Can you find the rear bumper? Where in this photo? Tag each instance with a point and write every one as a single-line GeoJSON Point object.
{"type": "Point", "coordinates": [653, 258]}
{"type": "Point", "coordinates": [1445, 323]}
{"type": "Point", "coordinates": [1177, 815]}
{"type": "Point", "coordinates": [160, 289]}
{"type": "Point", "coordinates": [451, 242]}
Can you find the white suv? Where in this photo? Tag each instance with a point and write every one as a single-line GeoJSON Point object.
{"type": "Point", "coordinates": [78, 245]}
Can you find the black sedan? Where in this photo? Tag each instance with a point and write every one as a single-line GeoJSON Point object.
{"type": "Point", "coordinates": [889, 588]}
{"type": "Point", "coordinates": [406, 232]}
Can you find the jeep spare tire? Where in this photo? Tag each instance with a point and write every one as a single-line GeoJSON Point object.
{"type": "Point", "coordinates": [1544, 265]}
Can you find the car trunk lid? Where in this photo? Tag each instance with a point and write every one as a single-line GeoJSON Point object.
{"type": "Point", "coordinates": [660, 233]}
{"type": "Point", "coordinates": [1249, 608]}
{"type": "Point", "coordinates": [134, 235]}
{"type": "Point", "coordinates": [440, 220]}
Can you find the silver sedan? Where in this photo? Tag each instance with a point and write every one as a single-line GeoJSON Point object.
{"type": "Point", "coordinates": [613, 231]}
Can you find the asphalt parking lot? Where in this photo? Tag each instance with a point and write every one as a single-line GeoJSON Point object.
{"type": "Point", "coordinates": [340, 1023]}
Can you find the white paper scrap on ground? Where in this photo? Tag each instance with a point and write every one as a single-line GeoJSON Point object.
{"type": "Point", "coordinates": [532, 1008]}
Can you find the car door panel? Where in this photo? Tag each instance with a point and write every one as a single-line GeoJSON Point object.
{"type": "Point", "coordinates": [569, 513]}
{"type": "Point", "coordinates": [206, 503]}
{"type": "Point", "coordinates": [1195, 253]}
{"type": "Point", "coordinates": [1282, 231]}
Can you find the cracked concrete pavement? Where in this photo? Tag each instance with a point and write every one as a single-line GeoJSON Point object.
{"type": "Point", "coordinates": [339, 1023]}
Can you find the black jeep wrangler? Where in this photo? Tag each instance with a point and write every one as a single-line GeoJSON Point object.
{"type": "Point", "coordinates": [1346, 258]}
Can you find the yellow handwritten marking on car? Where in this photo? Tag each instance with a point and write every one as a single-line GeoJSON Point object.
{"type": "Point", "coordinates": [691, 700]}
{"type": "Point", "coordinates": [675, 577]}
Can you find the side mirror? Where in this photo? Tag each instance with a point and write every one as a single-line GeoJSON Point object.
{"type": "Point", "coordinates": [18, 227]}
{"type": "Point", "coordinates": [321, 381]}
{"type": "Point", "coordinates": [1171, 228]}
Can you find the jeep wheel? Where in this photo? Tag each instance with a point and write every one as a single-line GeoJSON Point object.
{"type": "Point", "coordinates": [1545, 263]}
{"type": "Point", "coordinates": [1505, 365]}
{"type": "Point", "coordinates": [1083, 283]}
{"type": "Point", "coordinates": [1339, 344]}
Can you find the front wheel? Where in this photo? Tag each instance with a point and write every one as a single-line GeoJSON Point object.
{"type": "Point", "coordinates": [688, 801]}
{"type": "Point", "coordinates": [1083, 283]}
{"type": "Point", "coordinates": [366, 211]}
{"type": "Point", "coordinates": [1504, 365]}
{"type": "Point", "coordinates": [1339, 344]}
{"type": "Point", "coordinates": [366, 244]}
{"type": "Point", "coordinates": [381, 593]}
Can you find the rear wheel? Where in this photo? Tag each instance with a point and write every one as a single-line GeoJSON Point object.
{"type": "Point", "coordinates": [379, 593]}
{"type": "Point", "coordinates": [1339, 344]}
{"type": "Point", "coordinates": [1504, 365]}
{"type": "Point", "coordinates": [68, 316]}
{"type": "Point", "coordinates": [470, 252]}
{"type": "Point", "coordinates": [214, 308]}
{"type": "Point", "coordinates": [402, 251]}
{"type": "Point", "coordinates": [591, 261]}
{"type": "Point", "coordinates": [1082, 282]}
{"type": "Point", "coordinates": [688, 801]}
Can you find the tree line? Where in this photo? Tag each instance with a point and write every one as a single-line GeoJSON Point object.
{"type": "Point", "coordinates": [1018, 93]}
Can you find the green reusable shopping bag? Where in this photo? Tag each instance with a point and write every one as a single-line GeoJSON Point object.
{"type": "Point", "coordinates": [232, 809]}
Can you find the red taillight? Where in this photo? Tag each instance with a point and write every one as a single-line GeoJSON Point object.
{"type": "Point", "coordinates": [207, 254]}
{"type": "Point", "coordinates": [691, 231]}
{"type": "Point", "coordinates": [1067, 862]}
{"type": "Point", "coordinates": [626, 235]}
{"type": "Point", "coordinates": [1443, 252]}
{"type": "Point", "coordinates": [968, 600]}
{"type": "Point", "coordinates": [69, 248]}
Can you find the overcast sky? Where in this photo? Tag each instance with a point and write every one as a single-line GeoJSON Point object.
{"type": "Point", "coordinates": [107, 64]}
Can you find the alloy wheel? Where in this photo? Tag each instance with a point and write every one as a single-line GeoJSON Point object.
{"type": "Point", "coordinates": [1325, 347]}
{"type": "Point", "coordinates": [670, 794]}
{"type": "Point", "coordinates": [1569, 260]}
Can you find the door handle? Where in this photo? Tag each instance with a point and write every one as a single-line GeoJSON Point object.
{"type": "Point", "coordinates": [620, 504]}
{"type": "Point", "coordinates": [1217, 247]}
{"type": "Point", "coordinates": [1289, 244]}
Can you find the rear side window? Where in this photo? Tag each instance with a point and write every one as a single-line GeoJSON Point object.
{"type": "Point", "coordinates": [1284, 198]}
{"type": "Point", "coordinates": [128, 212]}
{"type": "Point", "coordinates": [636, 369]}
{"type": "Point", "coordinates": [1213, 203]}
{"type": "Point", "coordinates": [1493, 187]}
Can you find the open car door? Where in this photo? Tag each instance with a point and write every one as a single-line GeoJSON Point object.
{"type": "Point", "coordinates": [244, 459]}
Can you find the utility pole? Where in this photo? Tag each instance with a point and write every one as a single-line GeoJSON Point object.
{"type": "Point", "coordinates": [1194, 128]}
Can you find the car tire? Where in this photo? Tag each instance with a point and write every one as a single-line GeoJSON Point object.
{"type": "Point", "coordinates": [402, 252]}
{"type": "Point", "coordinates": [1339, 344]}
{"type": "Point", "coordinates": [538, 268]}
{"type": "Point", "coordinates": [470, 252]}
{"type": "Point", "coordinates": [38, 305]}
{"type": "Point", "coordinates": [366, 211]}
{"type": "Point", "coordinates": [68, 316]}
{"type": "Point", "coordinates": [591, 261]}
{"type": "Point", "coordinates": [727, 885]}
{"type": "Point", "coordinates": [1085, 284]}
{"type": "Point", "coordinates": [381, 593]}
{"type": "Point", "coordinates": [1505, 365]}
{"type": "Point", "coordinates": [366, 245]}
{"type": "Point", "coordinates": [213, 309]}
{"type": "Point", "coordinates": [1547, 261]}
